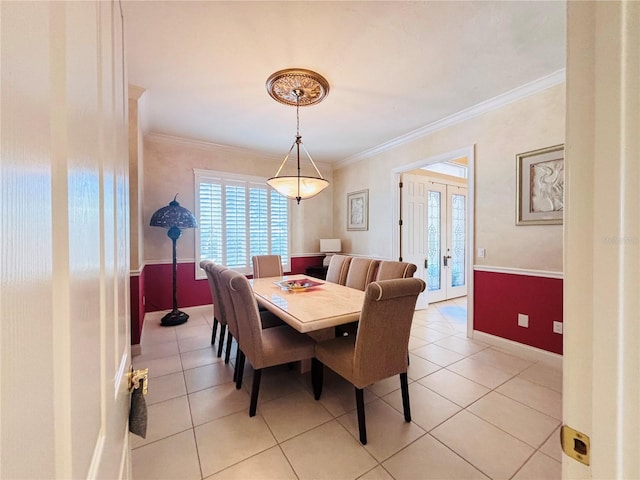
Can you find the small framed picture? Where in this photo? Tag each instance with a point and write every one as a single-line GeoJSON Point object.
{"type": "Point", "coordinates": [358, 210]}
{"type": "Point", "coordinates": [540, 186]}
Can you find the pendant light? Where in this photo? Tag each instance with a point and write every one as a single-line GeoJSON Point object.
{"type": "Point", "coordinates": [298, 87]}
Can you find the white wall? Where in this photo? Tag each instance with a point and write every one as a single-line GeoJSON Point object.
{"type": "Point", "coordinates": [528, 124]}
{"type": "Point", "coordinates": [168, 169]}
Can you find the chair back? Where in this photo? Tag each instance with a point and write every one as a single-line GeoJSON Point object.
{"type": "Point", "coordinates": [338, 268]}
{"type": "Point", "coordinates": [361, 272]}
{"type": "Point", "coordinates": [266, 266]}
{"type": "Point", "coordinates": [247, 316]}
{"type": "Point", "coordinates": [382, 341]}
{"type": "Point", "coordinates": [388, 270]}
{"type": "Point", "coordinates": [223, 276]}
{"type": "Point", "coordinates": [218, 309]}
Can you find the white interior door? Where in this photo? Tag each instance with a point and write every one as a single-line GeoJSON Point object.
{"type": "Point", "coordinates": [414, 220]}
{"type": "Point", "coordinates": [64, 261]}
{"type": "Point", "coordinates": [446, 241]}
{"type": "Point", "coordinates": [601, 385]}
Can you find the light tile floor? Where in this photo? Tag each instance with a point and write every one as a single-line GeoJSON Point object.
{"type": "Point", "coordinates": [477, 412]}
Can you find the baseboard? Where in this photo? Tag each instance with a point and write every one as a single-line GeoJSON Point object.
{"type": "Point", "coordinates": [136, 350]}
{"type": "Point", "coordinates": [525, 351]}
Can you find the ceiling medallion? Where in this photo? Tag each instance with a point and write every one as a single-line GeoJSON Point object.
{"type": "Point", "coordinates": [297, 86]}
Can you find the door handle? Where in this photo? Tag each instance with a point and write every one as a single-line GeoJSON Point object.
{"type": "Point", "coordinates": [445, 260]}
{"type": "Point", "coordinates": [426, 263]}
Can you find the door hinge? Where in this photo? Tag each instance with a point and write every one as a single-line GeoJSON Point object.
{"type": "Point", "coordinates": [575, 444]}
{"type": "Point", "coordinates": [400, 185]}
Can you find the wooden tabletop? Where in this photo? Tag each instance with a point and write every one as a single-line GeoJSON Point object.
{"type": "Point", "coordinates": [323, 306]}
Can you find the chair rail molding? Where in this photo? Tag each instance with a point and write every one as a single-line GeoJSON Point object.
{"type": "Point", "coordinates": [518, 271]}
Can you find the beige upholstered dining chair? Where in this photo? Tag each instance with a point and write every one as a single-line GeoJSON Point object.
{"type": "Point", "coordinates": [361, 272]}
{"type": "Point", "coordinates": [262, 348]}
{"type": "Point", "coordinates": [222, 277]}
{"type": "Point", "coordinates": [377, 351]}
{"type": "Point", "coordinates": [338, 269]}
{"type": "Point", "coordinates": [266, 266]}
{"type": "Point", "coordinates": [223, 309]}
{"type": "Point", "coordinates": [218, 316]}
{"type": "Point", "coordinates": [389, 269]}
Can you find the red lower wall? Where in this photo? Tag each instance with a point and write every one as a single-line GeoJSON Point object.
{"type": "Point", "coordinates": [500, 297]}
{"type": "Point", "coordinates": [136, 287]}
{"type": "Point", "coordinates": [152, 290]}
{"type": "Point", "coordinates": [159, 285]}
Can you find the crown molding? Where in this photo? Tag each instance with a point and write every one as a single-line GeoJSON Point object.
{"type": "Point", "coordinates": [217, 147]}
{"type": "Point", "coordinates": [209, 146]}
{"type": "Point", "coordinates": [494, 103]}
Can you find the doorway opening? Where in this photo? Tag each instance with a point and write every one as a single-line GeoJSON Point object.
{"type": "Point", "coordinates": [434, 225]}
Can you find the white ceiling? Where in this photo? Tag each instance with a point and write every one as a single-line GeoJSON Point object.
{"type": "Point", "coordinates": [393, 66]}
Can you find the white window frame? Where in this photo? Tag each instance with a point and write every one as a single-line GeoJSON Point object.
{"type": "Point", "coordinates": [214, 176]}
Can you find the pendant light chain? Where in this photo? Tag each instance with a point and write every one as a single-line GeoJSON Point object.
{"type": "Point", "coordinates": [297, 113]}
{"type": "Point", "coordinates": [298, 138]}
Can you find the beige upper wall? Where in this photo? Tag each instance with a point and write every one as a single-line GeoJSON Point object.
{"type": "Point", "coordinates": [534, 122]}
{"type": "Point", "coordinates": [168, 169]}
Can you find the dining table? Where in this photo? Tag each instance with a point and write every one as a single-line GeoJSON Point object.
{"type": "Point", "coordinates": [315, 308]}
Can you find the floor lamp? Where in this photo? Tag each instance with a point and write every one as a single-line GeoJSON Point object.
{"type": "Point", "coordinates": [174, 217]}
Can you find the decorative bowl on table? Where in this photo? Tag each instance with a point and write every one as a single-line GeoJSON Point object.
{"type": "Point", "coordinates": [298, 285]}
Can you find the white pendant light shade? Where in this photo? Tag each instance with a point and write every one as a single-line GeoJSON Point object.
{"type": "Point", "coordinates": [298, 187]}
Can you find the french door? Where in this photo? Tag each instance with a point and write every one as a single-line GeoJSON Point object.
{"type": "Point", "coordinates": [414, 236]}
{"type": "Point", "coordinates": [446, 274]}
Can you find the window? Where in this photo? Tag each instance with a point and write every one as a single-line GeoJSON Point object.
{"type": "Point", "coordinates": [239, 217]}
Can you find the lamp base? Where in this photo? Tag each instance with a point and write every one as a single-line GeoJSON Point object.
{"type": "Point", "coordinates": [173, 318]}
{"type": "Point", "coordinates": [327, 259]}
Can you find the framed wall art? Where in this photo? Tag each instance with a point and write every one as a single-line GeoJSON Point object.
{"type": "Point", "coordinates": [358, 210]}
{"type": "Point", "coordinates": [540, 186]}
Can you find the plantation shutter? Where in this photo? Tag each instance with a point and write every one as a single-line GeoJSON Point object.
{"type": "Point", "coordinates": [239, 217]}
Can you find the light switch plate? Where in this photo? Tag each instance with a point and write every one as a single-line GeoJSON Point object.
{"type": "Point", "coordinates": [481, 253]}
{"type": "Point", "coordinates": [557, 327]}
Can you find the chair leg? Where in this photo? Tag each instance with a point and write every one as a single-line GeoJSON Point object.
{"type": "Point", "coordinates": [362, 426]}
{"type": "Point", "coordinates": [404, 386]}
{"type": "Point", "coordinates": [223, 329]}
{"type": "Point", "coordinates": [255, 389]}
{"type": "Point", "coordinates": [317, 374]}
{"type": "Point", "coordinates": [227, 354]}
{"type": "Point", "coordinates": [239, 369]}
{"type": "Point", "coordinates": [235, 368]}
{"type": "Point", "coordinates": [215, 329]}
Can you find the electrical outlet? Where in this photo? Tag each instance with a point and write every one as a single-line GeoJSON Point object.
{"type": "Point", "coordinates": [557, 327]}
{"type": "Point", "coordinates": [481, 253]}
{"type": "Point", "coordinates": [523, 320]}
